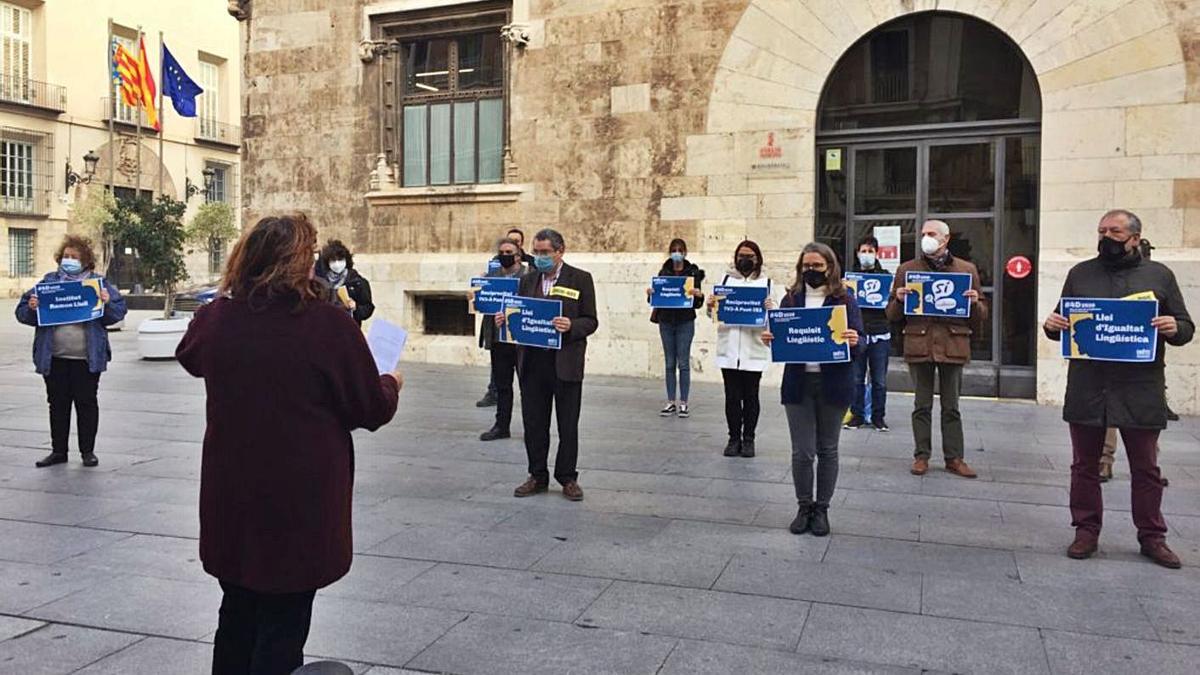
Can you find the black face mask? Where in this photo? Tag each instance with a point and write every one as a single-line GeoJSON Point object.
{"type": "Point", "coordinates": [507, 260]}
{"type": "Point", "coordinates": [814, 278]}
{"type": "Point", "coordinates": [1110, 249]}
{"type": "Point", "coordinates": [745, 264]}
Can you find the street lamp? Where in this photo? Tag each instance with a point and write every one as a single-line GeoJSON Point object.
{"type": "Point", "coordinates": [191, 189]}
{"type": "Point", "coordinates": [90, 160]}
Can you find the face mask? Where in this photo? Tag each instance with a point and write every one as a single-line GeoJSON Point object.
{"type": "Point", "coordinates": [507, 259]}
{"type": "Point", "coordinates": [745, 264]}
{"type": "Point", "coordinates": [866, 259]}
{"type": "Point", "coordinates": [544, 263]}
{"type": "Point", "coordinates": [930, 245]}
{"type": "Point", "coordinates": [677, 256]}
{"type": "Point", "coordinates": [814, 278]}
{"type": "Point", "coordinates": [71, 266]}
{"type": "Point", "coordinates": [1110, 249]}
{"type": "Point", "coordinates": [337, 266]}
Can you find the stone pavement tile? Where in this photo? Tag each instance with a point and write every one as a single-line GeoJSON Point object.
{"type": "Point", "coordinates": [573, 524]}
{"type": "Point", "coordinates": [144, 555]}
{"type": "Point", "coordinates": [931, 559]}
{"type": "Point", "coordinates": [473, 547]}
{"type": "Point", "coordinates": [484, 645]}
{"type": "Point", "coordinates": [155, 655]}
{"type": "Point", "coordinates": [732, 468]}
{"type": "Point", "coordinates": [1175, 619]}
{"type": "Point", "coordinates": [1100, 612]}
{"type": "Point", "coordinates": [376, 578]}
{"type": "Point", "coordinates": [57, 649]}
{"type": "Point", "coordinates": [418, 511]}
{"type": "Point", "coordinates": [702, 615]}
{"type": "Point", "coordinates": [596, 458]}
{"type": "Point", "coordinates": [24, 586]}
{"type": "Point", "coordinates": [374, 632]}
{"type": "Point", "coordinates": [898, 480]}
{"type": "Point", "coordinates": [11, 627]}
{"type": "Point", "coordinates": [1074, 654]}
{"type": "Point", "coordinates": [164, 607]}
{"type": "Point", "coordinates": [167, 467]}
{"type": "Point", "coordinates": [384, 670]}
{"type": "Point", "coordinates": [925, 505]}
{"type": "Point", "coordinates": [172, 520]}
{"type": "Point", "coordinates": [672, 506]}
{"type": "Point", "coordinates": [992, 534]}
{"type": "Point", "coordinates": [73, 480]}
{"type": "Point", "coordinates": [1141, 577]}
{"type": "Point", "coordinates": [635, 562]}
{"type": "Point", "coordinates": [533, 595]}
{"type": "Point", "coordinates": [648, 482]}
{"type": "Point", "coordinates": [852, 521]}
{"type": "Point", "coordinates": [175, 491]}
{"type": "Point", "coordinates": [921, 642]}
{"type": "Point", "coordinates": [707, 658]}
{"type": "Point", "coordinates": [950, 486]}
{"type": "Point", "coordinates": [723, 538]}
{"type": "Point", "coordinates": [37, 543]}
{"type": "Point", "coordinates": [56, 509]}
{"type": "Point", "coordinates": [775, 575]}
{"type": "Point", "coordinates": [778, 493]}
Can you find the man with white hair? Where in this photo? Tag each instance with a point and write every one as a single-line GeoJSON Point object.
{"type": "Point", "coordinates": [937, 348]}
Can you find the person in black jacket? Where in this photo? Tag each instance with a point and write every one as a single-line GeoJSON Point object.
{"type": "Point", "coordinates": [503, 355]}
{"type": "Point", "coordinates": [336, 266]}
{"type": "Point", "coordinates": [677, 328]}
{"type": "Point", "coordinates": [1128, 396]}
{"type": "Point", "coordinates": [876, 347]}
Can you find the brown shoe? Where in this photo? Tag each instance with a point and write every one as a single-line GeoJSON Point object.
{"type": "Point", "coordinates": [573, 492]}
{"type": "Point", "coordinates": [960, 468]}
{"type": "Point", "coordinates": [1084, 546]}
{"type": "Point", "coordinates": [1160, 554]}
{"type": "Point", "coordinates": [1105, 473]}
{"type": "Point", "coordinates": [530, 487]}
{"type": "Point", "coordinates": [920, 466]}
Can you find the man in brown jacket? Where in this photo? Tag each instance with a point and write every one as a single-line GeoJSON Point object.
{"type": "Point", "coordinates": [937, 347]}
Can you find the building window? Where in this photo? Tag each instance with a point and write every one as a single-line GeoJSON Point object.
{"type": "Point", "coordinates": [126, 113]}
{"type": "Point", "coordinates": [16, 45]}
{"type": "Point", "coordinates": [446, 315]}
{"type": "Point", "coordinates": [26, 172]}
{"type": "Point", "coordinates": [217, 191]}
{"type": "Point", "coordinates": [21, 248]}
{"type": "Point", "coordinates": [216, 257]}
{"type": "Point", "coordinates": [210, 101]}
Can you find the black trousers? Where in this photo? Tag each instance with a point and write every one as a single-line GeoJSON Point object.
{"type": "Point", "coordinates": [504, 367]}
{"type": "Point", "coordinates": [70, 383]}
{"type": "Point", "coordinates": [541, 393]}
{"type": "Point", "coordinates": [741, 402]}
{"type": "Point", "coordinates": [261, 633]}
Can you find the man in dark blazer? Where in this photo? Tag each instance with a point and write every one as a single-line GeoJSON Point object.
{"type": "Point", "coordinates": [554, 378]}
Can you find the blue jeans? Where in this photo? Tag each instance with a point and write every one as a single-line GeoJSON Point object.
{"type": "Point", "coordinates": [677, 351]}
{"type": "Point", "coordinates": [875, 358]}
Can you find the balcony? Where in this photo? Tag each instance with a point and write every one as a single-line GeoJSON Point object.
{"type": "Point", "coordinates": [126, 117]}
{"type": "Point", "coordinates": [32, 203]}
{"type": "Point", "coordinates": [26, 93]}
{"type": "Point", "coordinates": [213, 132]}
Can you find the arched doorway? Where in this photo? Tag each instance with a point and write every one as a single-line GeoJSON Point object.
{"type": "Point", "coordinates": [938, 115]}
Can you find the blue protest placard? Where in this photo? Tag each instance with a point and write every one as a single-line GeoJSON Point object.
{"type": "Point", "coordinates": [493, 265]}
{"type": "Point", "coordinates": [871, 291]}
{"type": "Point", "coordinates": [488, 293]}
{"type": "Point", "coordinates": [937, 294]}
{"type": "Point", "coordinates": [63, 302]}
{"type": "Point", "coordinates": [1103, 329]}
{"type": "Point", "coordinates": [809, 335]}
{"type": "Point", "coordinates": [671, 292]}
{"type": "Point", "coordinates": [741, 305]}
{"type": "Point", "coordinates": [530, 322]}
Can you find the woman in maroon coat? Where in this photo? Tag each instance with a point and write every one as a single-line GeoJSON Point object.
{"type": "Point", "coordinates": [288, 376]}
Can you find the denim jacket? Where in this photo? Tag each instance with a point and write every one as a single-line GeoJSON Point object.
{"type": "Point", "coordinates": [98, 351]}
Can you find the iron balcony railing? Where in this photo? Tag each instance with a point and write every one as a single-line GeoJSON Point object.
{"type": "Point", "coordinates": [125, 114]}
{"type": "Point", "coordinates": [33, 203]}
{"type": "Point", "coordinates": [24, 91]}
{"type": "Point", "coordinates": [208, 129]}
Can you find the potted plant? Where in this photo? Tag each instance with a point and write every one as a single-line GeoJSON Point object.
{"type": "Point", "coordinates": [211, 228]}
{"type": "Point", "coordinates": [157, 236]}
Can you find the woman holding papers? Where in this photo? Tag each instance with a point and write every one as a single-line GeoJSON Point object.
{"type": "Point", "coordinates": [288, 377]}
{"type": "Point", "coordinates": [71, 356]}
{"type": "Point", "coordinates": [351, 290]}
{"type": "Point", "coordinates": [503, 354]}
{"type": "Point", "coordinates": [741, 356]}
{"type": "Point", "coordinates": [816, 396]}
{"type": "Point", "coordinates": [677, 328]}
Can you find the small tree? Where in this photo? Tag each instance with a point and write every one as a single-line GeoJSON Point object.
{"type": "Point", "coordinates": [212, 227]}
{"type": "Point", "coordinates": [96, 214]}
{"type": "Point", "coordinates": [158, 235]}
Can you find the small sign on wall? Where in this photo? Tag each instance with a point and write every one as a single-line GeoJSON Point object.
{"type": "Point", "coordinates": [833, 160]}
{"type": "Point", "coordinates": [771, 155]}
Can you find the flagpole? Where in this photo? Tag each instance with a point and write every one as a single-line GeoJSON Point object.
{"type": "Point", "coordinates": [112, 113]}
{"type": "Point", "coordinates": [162, 127]}
{"type": "Point", "coordinates": [138, 119]}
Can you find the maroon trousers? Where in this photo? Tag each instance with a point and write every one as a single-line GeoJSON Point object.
{"type": "Point", "coordinates": [1087, 506]}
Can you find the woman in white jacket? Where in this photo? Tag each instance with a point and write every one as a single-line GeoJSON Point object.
{"type": "Point", "coordinates": [741, 355]}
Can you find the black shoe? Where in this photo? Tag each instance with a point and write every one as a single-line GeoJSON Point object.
{"type": "Point", "coordinates": [51, 459]}
{"type": "Point", "coordinates": [880, 425]}
{"type": "Point", "coordinates": [89, 459]}
{"type": "Point", "coordinates": [802, 521]}
{"type": "Point", "coordinates": [855, 422]}
{"type": "Point", "coordinates": [667, 411]}
{"type": "Point", "coordinates": [494, 433]}
{"type": "Point", "coordinates": [487, 401]}
{"type": "Point", "coordinates": [747, 447]}
{"type": "Point", "coordinates": [1172, 416]}
{"type": "Point", "coordinates": [733, 448]}
{"type": "Point", "coordinates": [820, 521]}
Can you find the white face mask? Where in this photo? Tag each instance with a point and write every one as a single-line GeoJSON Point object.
{"type": "Point", "coordinates": [337, 266]}
{"type": "Point", "coordinates": [866, 259]}
{"type": "Point", "coordinates": [930, 245]}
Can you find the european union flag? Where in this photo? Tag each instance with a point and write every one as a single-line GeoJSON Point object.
{"type": "Point", "coordinates": [176, 84]}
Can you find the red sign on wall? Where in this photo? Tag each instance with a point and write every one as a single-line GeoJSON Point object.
{"type": "Point", "coordinates": [1018, 267]}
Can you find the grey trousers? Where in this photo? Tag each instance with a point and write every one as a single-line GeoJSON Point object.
{"type": "Point", "coordinates": [949, 379]}
{"type": "Point", "coordinates": [815, 427]}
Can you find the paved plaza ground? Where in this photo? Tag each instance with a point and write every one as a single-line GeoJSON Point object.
{"type": "Point", "coordinates": [677, 562]}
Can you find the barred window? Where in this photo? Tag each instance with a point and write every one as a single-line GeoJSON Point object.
{"type": "Point", "coordinates": [26, 171]}
{"type": "Point", "coordinates": [217, 189]}
{"type": "Point", "coordinates": [216, 257]}
{"type": "Point", "coordinates": [21, 251]}
{"type": "Point", "coordinates": [209, 102]}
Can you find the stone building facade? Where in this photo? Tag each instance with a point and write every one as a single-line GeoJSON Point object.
{"type": "Point", "coordinates": [626, 123]}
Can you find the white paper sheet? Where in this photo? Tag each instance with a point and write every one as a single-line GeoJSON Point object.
{"type": "Point", "coordinates": [386, 341]}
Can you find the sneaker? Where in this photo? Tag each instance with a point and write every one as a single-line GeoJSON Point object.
{"type": "Point", "coordinates": [667, 411]}
{"type": "Point", "coordinates": [733, 448]}
{"type": "Point", "coordinates": [855, 422]}
{"type": "Point", "coordinates": [881, 426]}
{"type": "Point", "coordinates": [683, 411]}
{"type": "Point", "coordinates": [487, 401]}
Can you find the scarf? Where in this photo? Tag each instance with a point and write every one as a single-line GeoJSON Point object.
{"type": "Point", "coordinates": [941, 262]}
{"type": "Point", "coordinates": [63, 276]}
{"type": "Point", "coordinates": [336, 280]}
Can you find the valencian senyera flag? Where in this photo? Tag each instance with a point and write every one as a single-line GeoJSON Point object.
{"type": "Point", "coordinates": [176, 84]}
{"type": "Point", "coordinates": [137, 80]}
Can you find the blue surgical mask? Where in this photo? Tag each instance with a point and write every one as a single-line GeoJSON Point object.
{"type": "Point", "coordinates": [70, 265]}
{"type": "Point", "coordinates": [677, 256]}
{"type": "Point", "coordinates": [544, 263]}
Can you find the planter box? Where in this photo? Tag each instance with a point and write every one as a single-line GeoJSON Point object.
{"type": "Point", "coordinates": [158, 337]}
